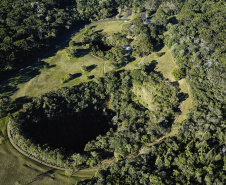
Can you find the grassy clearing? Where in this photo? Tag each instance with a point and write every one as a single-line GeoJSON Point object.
{"type": "Point", "coordinates": [109, 27]}
{"type": "Point", "coordinates": [187, 104]}
{"type": "Point", "coordinates": [165, 63]}
{"type": "Point", "coordinates": [16, 167]}
{"type": "Point", "coordinates": [53, 77]}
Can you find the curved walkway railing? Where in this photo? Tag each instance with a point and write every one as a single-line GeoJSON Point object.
{"type": "Point", "coordinates": [27, 154]}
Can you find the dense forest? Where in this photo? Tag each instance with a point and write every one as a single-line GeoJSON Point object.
{"type": "Point", "coordinates": [127, 109]}
{"type": "Point", "coordinates": [198, 154]}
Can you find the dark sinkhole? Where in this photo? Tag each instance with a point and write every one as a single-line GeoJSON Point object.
{"type": "Point", "coordinates": [70, 133]}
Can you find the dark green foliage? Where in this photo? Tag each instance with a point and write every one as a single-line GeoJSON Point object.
{"type": "Point", "coordinates": [197, 154]}
{"type": "Point", "coordinates": [178, 74]}
{"type": "Point", "coordinates": [142, 43]}
{"type": "Point", "coordinates": [71, 52]}
{"type": "Point", "coordinates": [5, 106]}
{"type": "Point", "coordinates": [136, 38]}
{"type": "Point", "coordinates": [2, 138]}
{"type": "Point", "coordinates": [88, 68]}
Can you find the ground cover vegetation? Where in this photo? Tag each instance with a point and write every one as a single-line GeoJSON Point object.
{"type": "Point", "coordinates": [58, 70]}
{"type": "Point", "coordinates": [134, 108]}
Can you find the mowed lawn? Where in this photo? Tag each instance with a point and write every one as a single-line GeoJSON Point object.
{"type": "Point", "coordinates": [109, 27]}
{"type": "Point", "coordinates": [166, 64]}
{"type": "Point", "coordinates": [187, 104]}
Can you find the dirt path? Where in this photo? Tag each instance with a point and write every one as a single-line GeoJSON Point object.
{"type": "Point", "coordinates": [142, 61]}
{"type": "Point", "coordinates": [157, 140]}
{"type": "Point", "coordinates": [105, 63]}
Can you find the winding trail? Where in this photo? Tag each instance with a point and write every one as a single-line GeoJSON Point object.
{"type": "Point", "coordinates": [105, 63]}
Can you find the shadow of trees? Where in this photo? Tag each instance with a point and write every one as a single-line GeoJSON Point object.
{"type": "Point", "coordinates": [158, 46]}
{"type": "Point", "coordinates": [173, 20]}
{"type": "Point", "coordinates": [10, 86]}
{"type": "Point", "coordinates": [73, 76]}
{"type": "Point", "coordinates": [41, 176]}
{"type": "Point", "coordinates": [70, 133]}
{"type": "Point", "coordinates": [91, 77]}
{"type": "Point", "coordinates": [81, 52]}
{"type": "Point", "coordinates": [91, 67]}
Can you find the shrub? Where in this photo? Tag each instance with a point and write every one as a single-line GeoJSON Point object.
{"type": "Point", "coordinates": [84, 69]}
{"type": "Point", "coordinates": [178, 74]}
{"type": "Point", "coordinates": [71, 52]}
{"type": "Point", "coordinates": [69, 172]}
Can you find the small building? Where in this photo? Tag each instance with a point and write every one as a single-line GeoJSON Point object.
{"type": "Point", "coordinates": [128, 48]}
{"type": "Point", "coordinates": [146, 20]}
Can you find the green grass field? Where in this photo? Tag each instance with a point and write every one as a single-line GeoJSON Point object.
{"type": "Point", "coordinates": [37, 79]}
{"type": "Point", "coordinates": [187, 104]}
{"type": "Point", "coordinates": [48, 75]}
{"type": "Point", "coordinates": [166, 64]}
{"type": "Point", "coordinates": [109, 27]}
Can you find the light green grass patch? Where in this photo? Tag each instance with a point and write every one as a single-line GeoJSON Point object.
{"type": "Point", "coordinates": [60, 67]}
{"type": "Point", "coordinates": [165, 63]}
{"type": "Point", "coordinates": [109, 27]}
{"type": "Point", "coordinates": [87, 173]}
{"type": "Point", "coordinates": [187, 104]}
{"type": "Point", "coordinates": [16, 167]}
{"type": "Point", "coordinates": [55, 69]}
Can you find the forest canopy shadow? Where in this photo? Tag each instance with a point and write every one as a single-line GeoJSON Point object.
{"type": "Point", "coordinates": [82, 52]}
{"type": "Point", "coordinates": [91, 67]}
{"type": "Point", "coordinates": [99, 31]}
{"type": "Point", "coordinates": [73, 76]}
{"type": "Point", "coordinates": [70, 133]}
{"type": "Point", "coordinates": [10, 86]}
{"type": "Point", "coordinates": [150, 66]}
{"type": "Point", "coordinates": [182, 96]}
